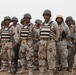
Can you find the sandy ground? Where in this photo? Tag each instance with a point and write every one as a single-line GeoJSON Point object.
{"type": "Point", "coordinates": [35, 73]}
{"type": "Point", "coordinates": [6, 73]}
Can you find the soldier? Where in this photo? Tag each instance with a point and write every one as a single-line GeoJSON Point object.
{"type": "Point", "coordinates": [22, 21]}
{"type": "Point", "coordinates": [49, 35]}
{"type": "Point", "coordinates": [71, 48]}
{"type": "Point", "coordinates": [74, 43]}
{"type": "Point", "coordinates": [15, 30]}
{"type": "Point", "coordinates": [2, 25]}
{"type": "Point", "coordinates": [73, 22]}
{"type": "Point", "coordinates": [62, 51]}
{"type": "Point", "coordinates": [74, 65]}
{"type": "Point", "coordinates": [23, 24]}
{"type": "Point", "coordinates": [26, 48]}
{"type": "Point", "coordinates": [6, 49]}
{"type": "Point", "coordinates": [36, 30]}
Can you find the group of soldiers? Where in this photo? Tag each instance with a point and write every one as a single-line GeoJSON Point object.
{"type": "Point", "coordinates": [46, 46]}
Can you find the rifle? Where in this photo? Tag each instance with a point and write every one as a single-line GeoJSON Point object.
{"type": "Point", "coordinates": [64, 35]}
{"type": "Point", "coordinates": [12, 66]}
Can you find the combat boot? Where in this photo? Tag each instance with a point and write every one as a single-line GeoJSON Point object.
{"type": "Point", "coordinates": [64, 72]}
{"type": "Point", "coordinates": [21, 71]}
{"type": "Point", "coordinates": [51, 73]}
{"type": "Point", "coordinates": [3, 69]}
{"type": "Point", "coordinates": [42, 74]}
{"type": "Point", "coordinates": [30, 72]}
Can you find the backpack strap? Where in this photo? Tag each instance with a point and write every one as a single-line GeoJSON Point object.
{"type": "Point", "coordinates": [9, 27]}
{"type": "Point", "coordinates": [50, 24]}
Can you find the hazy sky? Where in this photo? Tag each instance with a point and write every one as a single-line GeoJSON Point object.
{"type": "Point", "coordinates": [36, 7]}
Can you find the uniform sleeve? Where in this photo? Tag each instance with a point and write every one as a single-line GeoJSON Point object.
{"type": "Point", "coordinates": [19, 28]}
{"type": "Point", "coordinates": [11, 33]}
{"type": "Point", "coordinates": [56, 30]}
{"type": "Point", "coordinates": [32, 30]}
{"type": "Point", "coordinates": [68, 31]}
{"type": "Point", "coordinates": [17, 37]}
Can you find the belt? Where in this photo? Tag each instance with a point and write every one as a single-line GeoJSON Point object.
{"type": "Point", "coordinates": [5, 41]}
{"type": "Point", "coordinates": [61, 39]}
{"type": "Point", "coordinates": [25, 40]}
{"type": "Point", "coordinates": [46, 38]}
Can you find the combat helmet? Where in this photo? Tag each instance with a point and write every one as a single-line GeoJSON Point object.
{"type": "Point", "coordinates": [38, 21]}
{"type": "Point", "coordinates": [69, 18]}
{"type": "Point", "coordinates": [47, 12]}
{"type": "Point", "coordinates": [27, 15]}
{"type": "Point", "coordinates": [59, 16]}
{"type": "Point", "coordinates": [7, 18]}
{"type": "Point", "coordinates": [15, 19]}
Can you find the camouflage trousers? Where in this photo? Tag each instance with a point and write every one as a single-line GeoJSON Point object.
{"type": "Point", "coordinates": [47, 55]}
{"type": "Point", "coordinates": [71, 54]}
{"type": "Point", "coordinates": [26, 52]}
{"type": "Point", "coordinates": [62, 54]}
{"type": "Point", "coordinates": [74, 64]}
{"type": "Point", "coordinates": [36, 48]}
{"type": "Point", "coordinates": [6, 52]}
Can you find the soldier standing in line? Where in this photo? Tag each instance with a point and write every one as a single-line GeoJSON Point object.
{"type": "Point", "coordinates": [26, 48]}
{"type": "Point", "coordinates": [36, 30]}
{"type": "Point", "coordinates": [62, 51]}
{"type": "Point", "coordinates": [74, 43]}
{"type": "Point", "coordinates": [15, 30]}
{"type": "Point", "coordinates": [74, 65]}
{"type": "Point", "coordinates": [71, 48]}
{"type": "Point", "coordinates": [6, 48]}
{"type": "Point", "coordinates": [49, 35]}
{"type": "Point", "coordinates": [2, 25]}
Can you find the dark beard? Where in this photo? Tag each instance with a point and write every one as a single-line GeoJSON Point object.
{"type": "Point", "coordinates": [59, 23]}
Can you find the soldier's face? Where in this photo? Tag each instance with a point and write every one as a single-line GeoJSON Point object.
{"type": "Point", "coordinates": [46, 17]}
{"type": "Point", "coordinates": [27, 20]}
{"type": "Point", "coordinates": [59, 20]}
{"type": "Point", "coordinates": [69, 22]}
{"type": "Point", "coordinates": [14, 22]}
{"type": "Point", "coordinates": [38, 25]}
{"type": "Point", "coordinates": [7, 22]}
{"type": "Point", "coordinates": [23, 23]}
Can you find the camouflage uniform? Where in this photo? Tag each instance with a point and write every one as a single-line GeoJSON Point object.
{"type": "Point", "coordinates": [0, 40]}
{"type": "Point", "coordinates": [15, 30]}
{"type": "Point", "coordinates": [47, 47]}
{"type": "Point", "coordinates": [26, 49]}
{"type": "Point", "coordinates": [0, 48]}
{"type": "Point", "coordinates": [6, 48]}
{"type": "Point", "coordinates": [2, 26]}
{"type": "Point", "coordinates": [36, 39]}
{"type": "Point", "coordinates": [71, 48]}
{"type": "Point", "coordinates": [62, 51]}
{"type": "Point", "coordinates": [74, 65]}
{"type": "Point", "coordinates": [62, 47]}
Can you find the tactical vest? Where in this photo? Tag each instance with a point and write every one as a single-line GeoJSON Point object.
{"type": "Point", "coordinates": [46, 31]}
{"type": "Point", "coordinates": [5, 35]}
{"type": "Point", "coordinates": [24, 33]}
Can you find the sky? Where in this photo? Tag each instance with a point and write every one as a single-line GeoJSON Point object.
{"type": "Point", "coordinates": [36, 8]}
